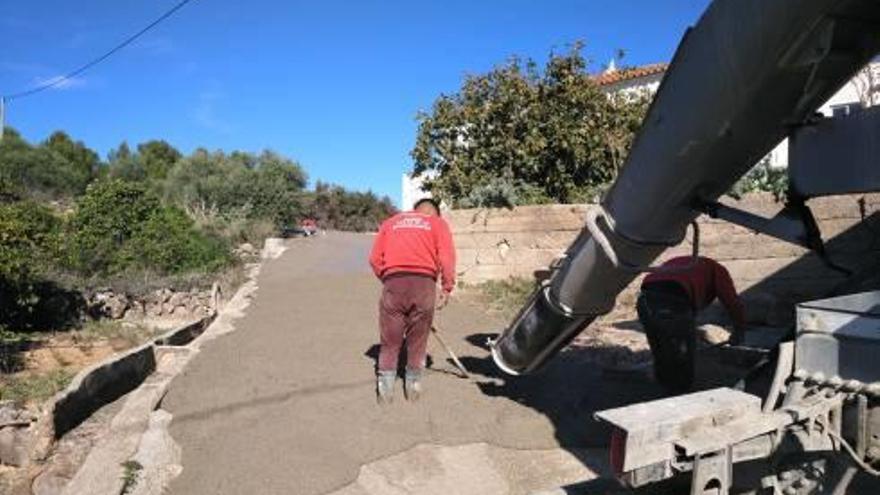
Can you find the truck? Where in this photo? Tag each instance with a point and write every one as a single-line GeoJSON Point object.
{"type": "Point", "coordinates": [748, 74]}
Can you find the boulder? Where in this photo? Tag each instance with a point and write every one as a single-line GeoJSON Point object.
{"type": "Point", "coordinates": [163, 295]}
{"type": "Point", "coordinates": [153, 309]}
{"type": "Point", "coordinates": [15, 444]}
{"type": "Point", "coordinates": [178, 299]}
{"type": "Point", "coordinates": [136, 311]}
{"type": "Point", "coordinates": [108, 304]}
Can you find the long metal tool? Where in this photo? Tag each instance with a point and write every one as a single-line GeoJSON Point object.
{"type": "Point", "coordinates": [436, 334]}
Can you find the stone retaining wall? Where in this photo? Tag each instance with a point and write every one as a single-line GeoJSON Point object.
{"type": "Point", "coordinates": [495, 244]}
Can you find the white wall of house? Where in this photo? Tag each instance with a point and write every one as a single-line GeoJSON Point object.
{"type": "Point", "coordinates": [413, 190]}
{"type": "Point", "coordinates": [846, 100]}
{"type": "Point", "coordinates": [635, 86]}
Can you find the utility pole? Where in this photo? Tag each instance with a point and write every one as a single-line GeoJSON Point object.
{"type": "Point", "coordinates": [2, 116]}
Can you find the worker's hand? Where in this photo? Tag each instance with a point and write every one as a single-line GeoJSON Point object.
{"type": "Point", "coordinates": [442, 299]}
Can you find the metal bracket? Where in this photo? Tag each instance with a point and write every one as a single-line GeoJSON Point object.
{"type": "Point", "coordinates": [602, 240]}
{"type": "Point", "coordinates": [713, 473]}
{"type": "Point", "coordinates": [794, 224]}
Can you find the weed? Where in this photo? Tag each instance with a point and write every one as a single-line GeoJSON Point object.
{"type": "Point", "coordinates": [11, 345]}
{"type": "Point", "coordinates": [97, 331]}
{"type": "Point", "coordinates": [130, 472]}
{"type": "Point", "coordinates": [505, 296]}
{"type": "Point", "coordinates": [26, 387]}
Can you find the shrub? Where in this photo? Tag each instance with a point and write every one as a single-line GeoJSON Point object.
{"type": "Point", "coordinates": [120, 226]}
{"type": "Point", "coordinates": [763, 178]}
{"type": "Point", "coordinates": [29, 236]}
{"type": "Point", "coordinates": [29, 243]}
{"type": "Point", "coordinates": [263, 187]}
{"type": "Point", "coordinates": [168, 242]}
{"type": "Point", "coordinates": [106, 218]}
{"type": "Point", "coordinates": [51, 170]}
{"type": "Point", "coordinates": [336, 208]}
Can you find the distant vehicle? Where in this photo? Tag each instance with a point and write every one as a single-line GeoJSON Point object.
{"type": "Point", "coordinates": [306, 228]}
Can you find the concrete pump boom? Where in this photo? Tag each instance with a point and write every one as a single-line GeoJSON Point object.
{"type": "Point", "coordinates": [741, 79]}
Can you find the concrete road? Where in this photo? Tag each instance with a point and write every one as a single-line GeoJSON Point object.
{"type": "Point", "coordinates": [286, 403]}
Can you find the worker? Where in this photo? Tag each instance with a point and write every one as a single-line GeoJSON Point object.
{"type": "Point", "coordinates": [412, 250]}
{"type": "Point", "coordinates": [669, 301]}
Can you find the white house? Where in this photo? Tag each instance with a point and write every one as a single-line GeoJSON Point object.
{"type": "Point", "coordinates": [412, 189]}
{"type": "Point", "coordinates": [635, 81]}
{"type": "Point", "coordinates": [859, 92]}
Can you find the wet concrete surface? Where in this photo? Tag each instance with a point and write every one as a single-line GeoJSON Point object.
{"type": "Point", "coordinates": [286, 404]}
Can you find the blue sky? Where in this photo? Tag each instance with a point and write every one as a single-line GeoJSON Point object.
{"type": "Point", "coordinates": [334, 84]}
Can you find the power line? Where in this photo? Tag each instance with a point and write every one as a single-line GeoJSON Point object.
{"type": "Point", "coordinates": [70, 75]}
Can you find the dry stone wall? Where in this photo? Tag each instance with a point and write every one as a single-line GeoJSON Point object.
{"type": "Point", "coordinates": [494, 244]}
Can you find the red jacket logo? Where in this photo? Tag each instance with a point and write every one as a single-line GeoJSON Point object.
{"type": "Point", "coordinates": [412, 223]}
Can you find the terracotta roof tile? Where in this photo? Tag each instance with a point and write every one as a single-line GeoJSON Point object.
{"type": "Point", "coordinates": [607, 78]}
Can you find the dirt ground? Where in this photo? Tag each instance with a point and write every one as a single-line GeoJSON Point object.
{"type": "Point", "coordinates": [286, 403]}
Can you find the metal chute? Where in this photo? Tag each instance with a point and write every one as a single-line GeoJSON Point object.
{"type": "Point", "coordinates": [748, 72]}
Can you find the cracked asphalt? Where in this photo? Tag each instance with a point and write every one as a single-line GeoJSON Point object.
{"type": "Point", "coordinates": [285, 404]}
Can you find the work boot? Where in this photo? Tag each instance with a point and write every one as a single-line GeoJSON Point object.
{"type": "Point", "coordinates": [385, 387]}
{"type": "Point", "coordinates": [413, 385]}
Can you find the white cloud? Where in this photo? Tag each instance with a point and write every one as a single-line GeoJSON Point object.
{"type": "Point", "coordinates": [60, 83]}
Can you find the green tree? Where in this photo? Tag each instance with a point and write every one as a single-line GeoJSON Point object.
{"type": "Point", "coordinates": [83, 161]}
{"type": "Point", "coordinates": [120, 226]}
{"type": "Point", "coordinates": [336, 208]}
{"type": "Point", "coordinates": [123, 164]}
{"type": "Point", "coordinates": [157, 157]}
{"type": "Point", "coordinates": [168, 242]}
{"type": "Point", "coordinates": [29, 245]}
{"type": "Point", "coordinates": [55, 169]}
{"type": "Point", "coordinates": [106, 218]}
{"type": "Point", "coordinates": [265, 186]}
{"type": "Point", "coordinates": [518, 135]}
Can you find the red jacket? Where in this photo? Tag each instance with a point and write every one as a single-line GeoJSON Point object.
{"type": "Point", "coordinates": [703, 283]}
{"type": "Point", "coordinates": [411, 242]}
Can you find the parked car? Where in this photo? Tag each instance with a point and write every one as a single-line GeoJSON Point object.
{"type": "Point", "coordinates": [306, 228]}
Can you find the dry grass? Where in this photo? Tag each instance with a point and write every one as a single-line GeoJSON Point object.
{"type": "Point", "coordinates": [47, 363]}
{"type": "Point", "coordinates": [504, 297]}
{"type": "Point", "coordinates": [33, 387]}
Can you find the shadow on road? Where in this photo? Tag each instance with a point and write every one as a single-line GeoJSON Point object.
{"type": "Point", "coordinates": [568, 390]}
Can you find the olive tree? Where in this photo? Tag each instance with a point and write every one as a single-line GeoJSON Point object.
{"type": "Point", "coordinates": [519, 135]}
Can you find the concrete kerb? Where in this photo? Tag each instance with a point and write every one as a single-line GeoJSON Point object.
{"type": "Point", "coordinates": [145, 374]}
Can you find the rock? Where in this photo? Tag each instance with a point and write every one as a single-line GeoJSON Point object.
{"type": "Point", "coordinates": [17, 482]}
{"type": "Point", "coordinates": [11, 415]}
{"type": "Point", "coordinates": [153, 309]}
{"type": "Point", "coordinates": [162, 295]}
{"type": "Point", "coordinates": [136, 311]}
{"type": "Point", "coordinates": [109, 304]}
{"type": "Point", "coordinates": [15, 443]}
{"type": "Point", "coordinates": [8, 412]}
{"type": "Point", "coordinates": [49, 483]}
{"type": "Point", "coordinates": [181, 313]}
{"type": "Point", "coordinates": [246, 249]}
{"type": "Point", "coordinates": [713, 334]}
{"type": "Point", "coordinates": [178, 299]}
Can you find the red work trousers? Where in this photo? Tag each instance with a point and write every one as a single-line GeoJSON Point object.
{"type": "Point", "coordinates": [406, 312]}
